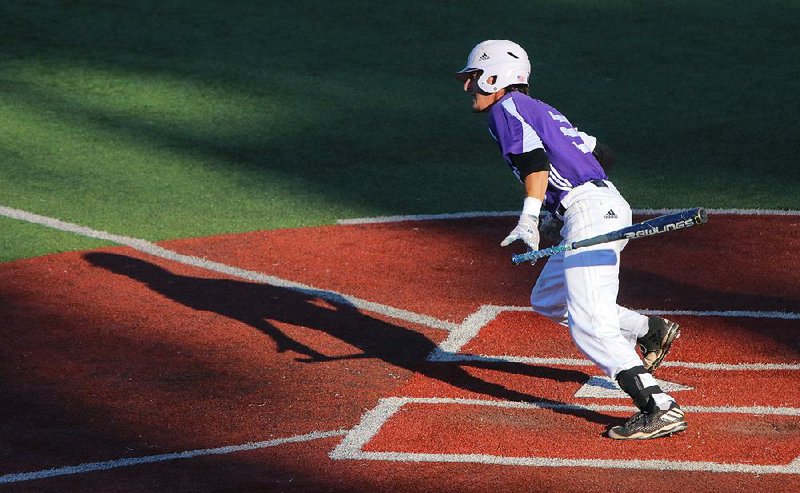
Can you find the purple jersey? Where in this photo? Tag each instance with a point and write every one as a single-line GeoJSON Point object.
{"type": "Point", "coordinates": [521, 124]}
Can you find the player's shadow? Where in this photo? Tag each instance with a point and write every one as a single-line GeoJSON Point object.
{"type": "Point", "coordinates": [258, 304]}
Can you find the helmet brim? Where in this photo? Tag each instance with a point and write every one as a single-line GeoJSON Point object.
{"type": "Point", "coordinates": [466, 72]}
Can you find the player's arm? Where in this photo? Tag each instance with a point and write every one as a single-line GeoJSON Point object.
{"type": "Point", "coordinates": [536, 184]}
{"type": "Point", "coordinates": [533, 168]}
{"type": "Point", "coordinates": [604, 155]}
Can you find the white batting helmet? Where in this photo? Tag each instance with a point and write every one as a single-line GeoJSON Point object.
{"type": "Point", "coordinates": [503, 59]}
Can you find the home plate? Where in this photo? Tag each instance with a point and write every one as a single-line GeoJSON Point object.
{"type": "Point", "coordinates": [606, 388]}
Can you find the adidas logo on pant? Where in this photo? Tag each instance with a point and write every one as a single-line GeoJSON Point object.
{"type": "Point", "coordinates": [610, 214]}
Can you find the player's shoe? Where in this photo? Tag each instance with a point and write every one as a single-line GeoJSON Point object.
{"type": "Point", "coordinates": [655, 344]}
{"type": "Point", "coordinates": [643, 426]}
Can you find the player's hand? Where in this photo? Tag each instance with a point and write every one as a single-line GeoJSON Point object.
{"type": "Point", "coordinates": [527, 230]}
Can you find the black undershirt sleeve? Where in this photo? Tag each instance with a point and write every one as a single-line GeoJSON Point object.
{"type": "Point", "coordinates": [530, 162]}
{"type": "Point", "coordinates": [604, 156]}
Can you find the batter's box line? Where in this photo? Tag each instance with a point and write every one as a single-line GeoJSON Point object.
{"type": "Point", "coordinates": [352, 446]}
{"type": "Point", "coordinates": [448, 351]}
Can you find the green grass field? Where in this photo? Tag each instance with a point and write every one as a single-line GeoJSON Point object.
{"type": "Point", "coordinates": [169, 119]}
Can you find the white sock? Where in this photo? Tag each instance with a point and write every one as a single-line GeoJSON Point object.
{"type": "Point", "coordinates": [663, 401]}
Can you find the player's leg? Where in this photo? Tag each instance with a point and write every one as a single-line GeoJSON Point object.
{"type": "Point", "coordinates": [549, 295]}
{"type": "Point", "coordinates": [659, 414]}
{"type": "Point", "coordinates": [653, 335]}
{"type": "Point", "coordinates": [592, 284]}
{"type": "Point", "coordinates": [549, 299]}
{"type": "Point", "coordinates": [657, 341]}
{"type": "Point", "coordinates": [632, 324]}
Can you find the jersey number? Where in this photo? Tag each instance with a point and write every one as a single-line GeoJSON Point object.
{"type": "Point", "coordinates": [571, 132]}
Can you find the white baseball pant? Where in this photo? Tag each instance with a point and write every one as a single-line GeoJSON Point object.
{"type": "Point", "coordinates": [579, 288]}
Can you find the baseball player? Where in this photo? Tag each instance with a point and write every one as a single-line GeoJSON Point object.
{"type": "Point", "coordinates": [561, 169]}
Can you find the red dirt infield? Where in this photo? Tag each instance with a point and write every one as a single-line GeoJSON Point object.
{"type": "Point", "coordinates": [115, 356]}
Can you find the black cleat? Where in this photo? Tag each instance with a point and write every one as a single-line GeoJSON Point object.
{"type": "Point", "coordinates": [643, 426]}
{"type": "Point", "coordinates": [655, 345]}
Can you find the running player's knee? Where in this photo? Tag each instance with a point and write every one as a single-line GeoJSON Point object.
{"type": "Point", "coordinates": [549, 302]}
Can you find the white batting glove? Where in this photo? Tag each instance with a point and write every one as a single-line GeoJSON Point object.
{"type": "Point", "coordinates": [527, 230]}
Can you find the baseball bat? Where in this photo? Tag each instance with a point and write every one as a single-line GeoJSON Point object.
{"type": "Point", "coordinates": [657, 225]}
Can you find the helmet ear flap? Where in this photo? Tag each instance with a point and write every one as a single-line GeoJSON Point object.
{"type": "Point", "coordinates": [488, 83]}
{"type": "Point", "coordinates": [480, 82]}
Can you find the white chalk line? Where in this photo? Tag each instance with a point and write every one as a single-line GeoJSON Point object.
{"type": "Point", "coordinates": [157, 251]}
{"type": "Point", "coordinates": [627, 464]}
{"type": "Point", "coordinates": [726, 313]}
{"type": "Point", "coordinates": [471, 215]}
{"type": "Point", "coordinates": [448, 351]}
{"type": "Point", "coordinates": [444, 357]}
{"type": "Point", "coordinates": [151, 459]}
{"type": "Point", "coordinates": [351, 447]}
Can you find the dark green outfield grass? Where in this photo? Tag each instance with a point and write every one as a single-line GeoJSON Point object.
{"type": "Point", "coordinates": [167, 119]}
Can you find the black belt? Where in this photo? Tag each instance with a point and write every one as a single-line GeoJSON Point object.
{"type": "Point", "coordinates": [598, 183]}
